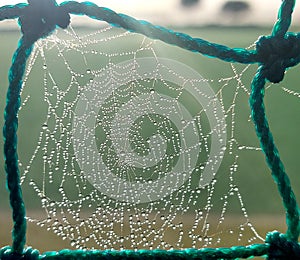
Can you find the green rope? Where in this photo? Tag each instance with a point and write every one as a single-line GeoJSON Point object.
{"type": "Point", "coordinates": [281, 247]}
{"type": "Point", "coordinates": [13, 102]}
{"type": "Point", "coordinates": [274, 53]}
{"type": "Point", "coordinates": [284, 18]}
{"type": "Point", "coordinates": [160, 33]}
{"type": "Point", "coordinates": [206, 253]}
{"type": "Point", "coordinates": [272, 155]}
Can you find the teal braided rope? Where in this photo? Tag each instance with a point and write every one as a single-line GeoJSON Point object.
{"type": "Point", "coordinates": [13, 102]}
{"type": "Point", "coordinates": [294, 61]}
{"type": "Point", "coordinates": [281, 247]}
{"type": "Point", "coordinates": [279, 175]}
{"type": "Point", "coordinates": [272, 155]}
{"type": "Point", "coordinates": [284, 18]}
{"type": "Point", "coordinates": [33, 28]}
{"type": "Point", "coordinates": [208, 253]}
{"type": "Point", "coordinates": [6, 253]}
{"type": "Point", "coordinates": [11, 11]}
{"type": "Point", "coordinates": [276, 53]}
{"type": "Point", "coordinates": [157, 32]}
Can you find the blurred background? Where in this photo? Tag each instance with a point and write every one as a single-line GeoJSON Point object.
{"type": "Point", "coordinates": [234, 23]}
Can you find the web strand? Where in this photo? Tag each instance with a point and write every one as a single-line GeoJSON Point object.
{"type": "Point", "coordinates": [274, 72]}
{"type": "Point", "coordinates": [121, 112]}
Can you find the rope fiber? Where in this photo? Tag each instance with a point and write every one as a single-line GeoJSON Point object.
{"type": "Point", "coordinates": [274, 54]}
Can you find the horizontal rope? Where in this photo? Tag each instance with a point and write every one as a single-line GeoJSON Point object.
{"type": "Point", "coordinates": [157, 32]}
{"type": "Point", "coordinates": [206, 253]}
{"type": "Point", "coordinates": [11, 11]}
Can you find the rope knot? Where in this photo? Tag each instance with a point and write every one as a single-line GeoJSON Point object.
{"type": "Point", "coordinates": [41, 17]}
{"type": "Point", "coordinates": [7, 253]}
{"type": "Point", "coordinates": [276, 54]}
{"type": "Point", "coordinates": [281, 247]}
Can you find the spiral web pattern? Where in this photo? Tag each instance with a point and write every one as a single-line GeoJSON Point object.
{"type": "Point", "coordinates": [130, 145]}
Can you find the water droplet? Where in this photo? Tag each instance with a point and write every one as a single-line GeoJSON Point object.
{"type": "Point", "coordinates": [52, 203]}
{"type": "Point", "coordinates": [44, 200]}
{"type": "Point", "coordinates": [223, 148]}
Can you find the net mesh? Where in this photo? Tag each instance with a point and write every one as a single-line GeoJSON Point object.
{"type": "Point", "coordinates": [158, 126]}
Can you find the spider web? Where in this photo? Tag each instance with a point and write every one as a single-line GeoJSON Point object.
{"type": "Point", "coordinates": [128, 149]}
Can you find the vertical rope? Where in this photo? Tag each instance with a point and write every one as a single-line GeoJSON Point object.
{"type": "Point", "coordinates": [37, 20]}
{"type": "Point", "coordinates": [272, 155]}
{"type": "Point", "coordinates": [13, 102]}
{"type": "Point", "coordinates": [284, 18]}
{"type": "Point", "coordinates": [281, 178]}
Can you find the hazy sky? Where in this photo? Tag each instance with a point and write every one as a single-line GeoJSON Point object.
{"type": "Point", "coordinates": [207, 11]}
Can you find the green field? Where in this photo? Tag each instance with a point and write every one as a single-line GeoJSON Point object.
{"type": "Point", "coordinates": [253, 178]}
